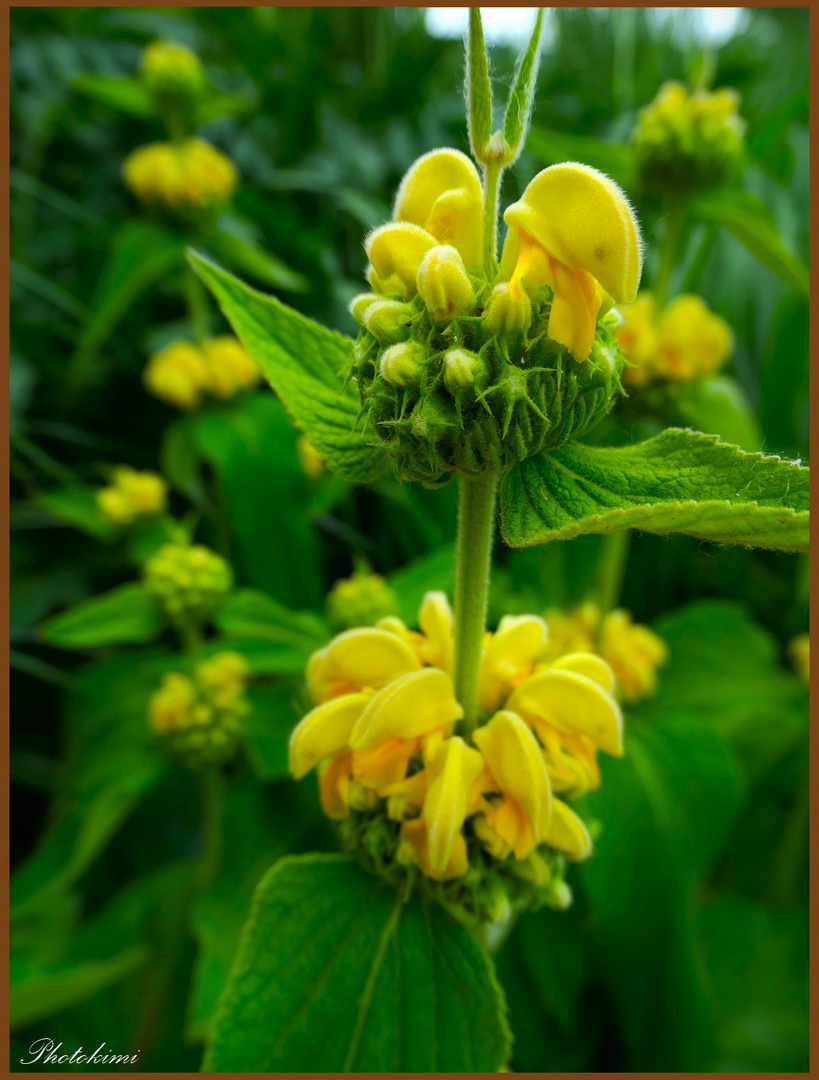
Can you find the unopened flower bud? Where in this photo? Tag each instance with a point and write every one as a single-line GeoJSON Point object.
{"type": "Point", "coordinates": [401, 364]}
{"type": "Point", "coordinates": [359, 305]}
{"type": "Point", "coordinates": [443, 283]}
{"type": "Point", "coordinates": [507, 313]}
{"type": "Point", "coordinates": [187, 580]}
{"type": "Point", "coordinates": [461, 368]}
{"type": "Point", "coordinates": [172, 73]}
{"type": "Point", "coordinates": [386, 319]}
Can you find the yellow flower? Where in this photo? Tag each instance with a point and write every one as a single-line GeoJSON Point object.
{"type": "Point", "coordinates": [572, 228]}
{"type": "Point", "coordinates": [170, 708]}
{"type": "Point", "coordinates": [188, 175]}
{"type": "Point", "coordinates": [684, 341]}
{"type": "Point", "coordinates": [510, 655]}
{"type": "Point", "coordinates": [178, 375]}
{"type": "Point", "coordinates": [799, 650]}
{"type": "Point", "coordinates": [311, 461]}
{"type": "Point", "coordinates": [132, 494]}
{"type": "Point", "coordinates": [230, 366]}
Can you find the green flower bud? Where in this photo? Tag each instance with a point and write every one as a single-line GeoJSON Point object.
{"type": "Point", "coordinates": [360, 600]}
{"type": "Point", "coordinates": [189, 581]}
{"type": "Point", "coordinates": [172, 73]}
{"type": "Point", "coordinates": [443, 283]}
{"type": "Point", "coordinates": [507, 313]}
{"type": "Point", "coordinates": [360, 304]}
{"type": "Point", "coordinates": [387, 320]}
{"type": "Point", "coordinates": [401, 365]}
{"type": "Point", "coordinates": [461, 368]}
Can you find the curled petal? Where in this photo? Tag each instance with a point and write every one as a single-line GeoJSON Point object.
{"type": "Point", "coordinates": [334, 784]}
{"type": "Point", "coordinates": [324, 732]}
{"type": "Point", "coordinates": [567, 832]}
{"type": "Point", "coordinates": [366, 657]}
{"type": "Point", "coordinates": [452, 774]}
{"type": "Point", "coordinates": [584, 220]}
{"type": "Point", "coordinates": [384, 764]}
{"type": "Point", "coordinates": [573, 316]}
{"type": "Point", "coordinates": [408, 708]}
{"type": "Point", "coordinates": [574, 704]}
{"type": "Point", "coordinates": [584, 663]}
{"type": "Point", "coordinates": [441, 192]}
{"type": "Point", "coordinates": [397, 250]}
{"type": "Point", "coordinates": [516, 763]}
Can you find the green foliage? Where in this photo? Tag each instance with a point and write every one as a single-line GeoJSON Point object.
{"type": "Point", "coordinates": [405, 989]}
{"type": "Point", "coordinates": [680, 481]}
{"type": "Point", "coordinates": [127, 615]}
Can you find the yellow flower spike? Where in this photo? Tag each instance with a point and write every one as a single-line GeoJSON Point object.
{"type": "Point", "coordinates": [567, 833]}
{"type": "Point", "coordinates": [397, 250]}
{"type": "Point", "coordinates": [365, 657]}
{"type": "Point", "coordinates": [574, 704]}
{"type": "Point", "coordinates": [437, 624]}
{"type": "Point", "coordinates": [452, 774]}
{"type": "Point", "coordinates": [510, 655]}
{"type": "Point", "coordinates": [410, 707]}
{"type": "Point", "coordinates": [443, 283]}
{"type": "Point", "coordinates": [441, 192]}
{"type": "Point", "coordinates": [593, 667]}
{"type": "Point", "coordinates": [516, 764]}
{"type": "Point", "coordinates": [324, 732]}
{"type": "Point", "coordinates": [334, 786]}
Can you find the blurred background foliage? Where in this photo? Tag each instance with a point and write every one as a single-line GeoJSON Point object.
{"type": "Point", "coordinates": [687, 944]}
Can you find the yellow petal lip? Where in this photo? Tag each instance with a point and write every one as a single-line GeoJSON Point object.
{"type": "Point", "coordinates": [516, 763]}
{"type": "Point", "coordinates": [452, 772]}
{"type": "Point", "coordinates": [363, 657]}
{"type": "Point", "coordinates": [572, 703]}
{"type": "Point", "coordinates": [518, 641]}
{"type": "Point", "coordinates": [409, 707]}
{"type": "Point", "coordinates": [441, 192]}
{"type": "Point", "coordinates": [593, 667]}
{"type": "Point", "coordinates": [324, 732]}
{"type": "Point", "coordinates": [567, 832]}
{"type": "Point", "coordinates": [583, 219]}
{"type": "Point", "coordinates": [436, 622]}
{"type": "Point", "coordinates": [397, 250]}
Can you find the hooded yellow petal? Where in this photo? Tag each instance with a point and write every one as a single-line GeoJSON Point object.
{"type": "Point", "coordinates": [365, 657]}
{"type": "Point", "coordinates": [584, 220]}
{"type": "Point", "coordinates": [572, 703]}
{"type": "Point", "coordinates": [441, 192]}
{"type": "Point", "coordinates": [584, 663]}
{"type": "Point", "coordinates": [397, 250]}
{"type": "Point", "coordinates": [510, 655]}
{"type": "Point", "coordinates": [452, 773]}
{"type": "Point", "coordinates": [516, 763]}
{"type": "Point", "coordinates": [567, 832]}
{"type": "Point", "coordinates": [408, 708]}
{"type": "Point", "coordinates": [324, 732]}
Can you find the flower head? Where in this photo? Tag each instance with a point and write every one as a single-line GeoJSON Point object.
{"type": "Point", "coordinates": [188, 580]}
{"type": "Point", "coordinates": [172, 73]}
{"type": "Point", "coordinates": [408, 788]}
{"type": "Point", "coordinates": [182, 374]}
{"type": "Point", "coordinates": [189, 176]}
{"type": "Point", "coordinates": [132, 494]}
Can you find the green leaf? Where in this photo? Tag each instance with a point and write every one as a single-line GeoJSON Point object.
{"type": "Point", "coordinates": [141, 255]}
{"type": "Point", "coordinates": [749, 220]}
{"type": "Point", "coordinates": [521, 96]}
{"type": "Point", "coordinates": [76, 505]}
{"type": "Point", "coordinates": [125, 615]}
{"type": "Point", "coordinates": [718, 407]}
{"type": "Point", "coordinates": [274, 712]}
{"type": "Point", "coordinates": [248, 613]}
{"type": "Point", "coordinates": [129, 96]}
{"type": "Point", "coordinates": [233, 240]}
{"type": "Point", "coordinates": [335, 972]}
{"type": "Point", "coordinates": [479, 88]}
{"type": "Point", "coordinates": [304, 362]}
{"type": "Point", "coordinates": [680, 481]}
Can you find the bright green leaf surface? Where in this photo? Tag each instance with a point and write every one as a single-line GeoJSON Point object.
{"type": "Point", "coordinates": [125, 95]}
{"type": "Point", "coordinates": [305, 364]}
{"type": "Point", "coordinates": [389, 987]}
{"type": "Point", "coordinates": [718, 407]}
{"type": "Point", "coordinates": [248, 613]}
{"type": "Point", "coordinates": [680, 481]}
{"type": "Point", "coordinates": [125, 615]}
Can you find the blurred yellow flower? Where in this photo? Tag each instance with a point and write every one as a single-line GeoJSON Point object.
{"type": "Point", "coordinates": [384, 727]}
{"type": "Point", "coordinates": [182, 373]}
{"type": "Point", "coordinates": [684, 341]}
{"type": "Point", "coordinates": [230, 367]}
{"type": "Point", "coordinates": [311, 461]}
{"type": "Point", "coordinates": [132, 494]}
{"type": "Point", "coordinates": [799, 650]}
{"type": "Point", "coordinates": [178, 176]}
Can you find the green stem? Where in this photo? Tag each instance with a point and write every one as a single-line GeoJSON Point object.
{"type": "Point", "coordinates": [476, 526]}
{"type": "Point", "coordinates": [491, 187]}
{"type": "Point", "coordinates": [611, 569]}
{"type": "Point", "coordinates": [669, 251]}
{"type": "Point", "coordinates": [212, 795]}
{"type": "Point", "coordinates": [197, 301]}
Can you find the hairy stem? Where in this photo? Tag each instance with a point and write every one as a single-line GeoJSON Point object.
{"type": "Point", "coordinates": [476, 526]}
{"type": "Point", "coordinates": [491, 187]}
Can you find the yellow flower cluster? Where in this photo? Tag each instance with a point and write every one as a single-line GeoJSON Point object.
{"type": "Point", "coordinates": [132, 494]}
{"type": "Point", "coordinates": [384, 727]}
{"type": "Point", "coordinates": [171, 72]}
{"type": "Point", "coordinates": [359, 600]}
{"type": "Point", "coordinates": [182, 374]}
{"type": "Point", "coordinates": [683, 341]}
{"type": "Point", "coordinates": [632, 651]}
{"type": "Point", "coordinates": [189, 581]}
{"type": "Point", "coordinates": [191, 175]}
{"type": "Point", "coordinates": [799, 650]}
{"type": "Point", "coordinates": [689, 139]}
{"type": "Point", "coordinates": [201, 717]}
